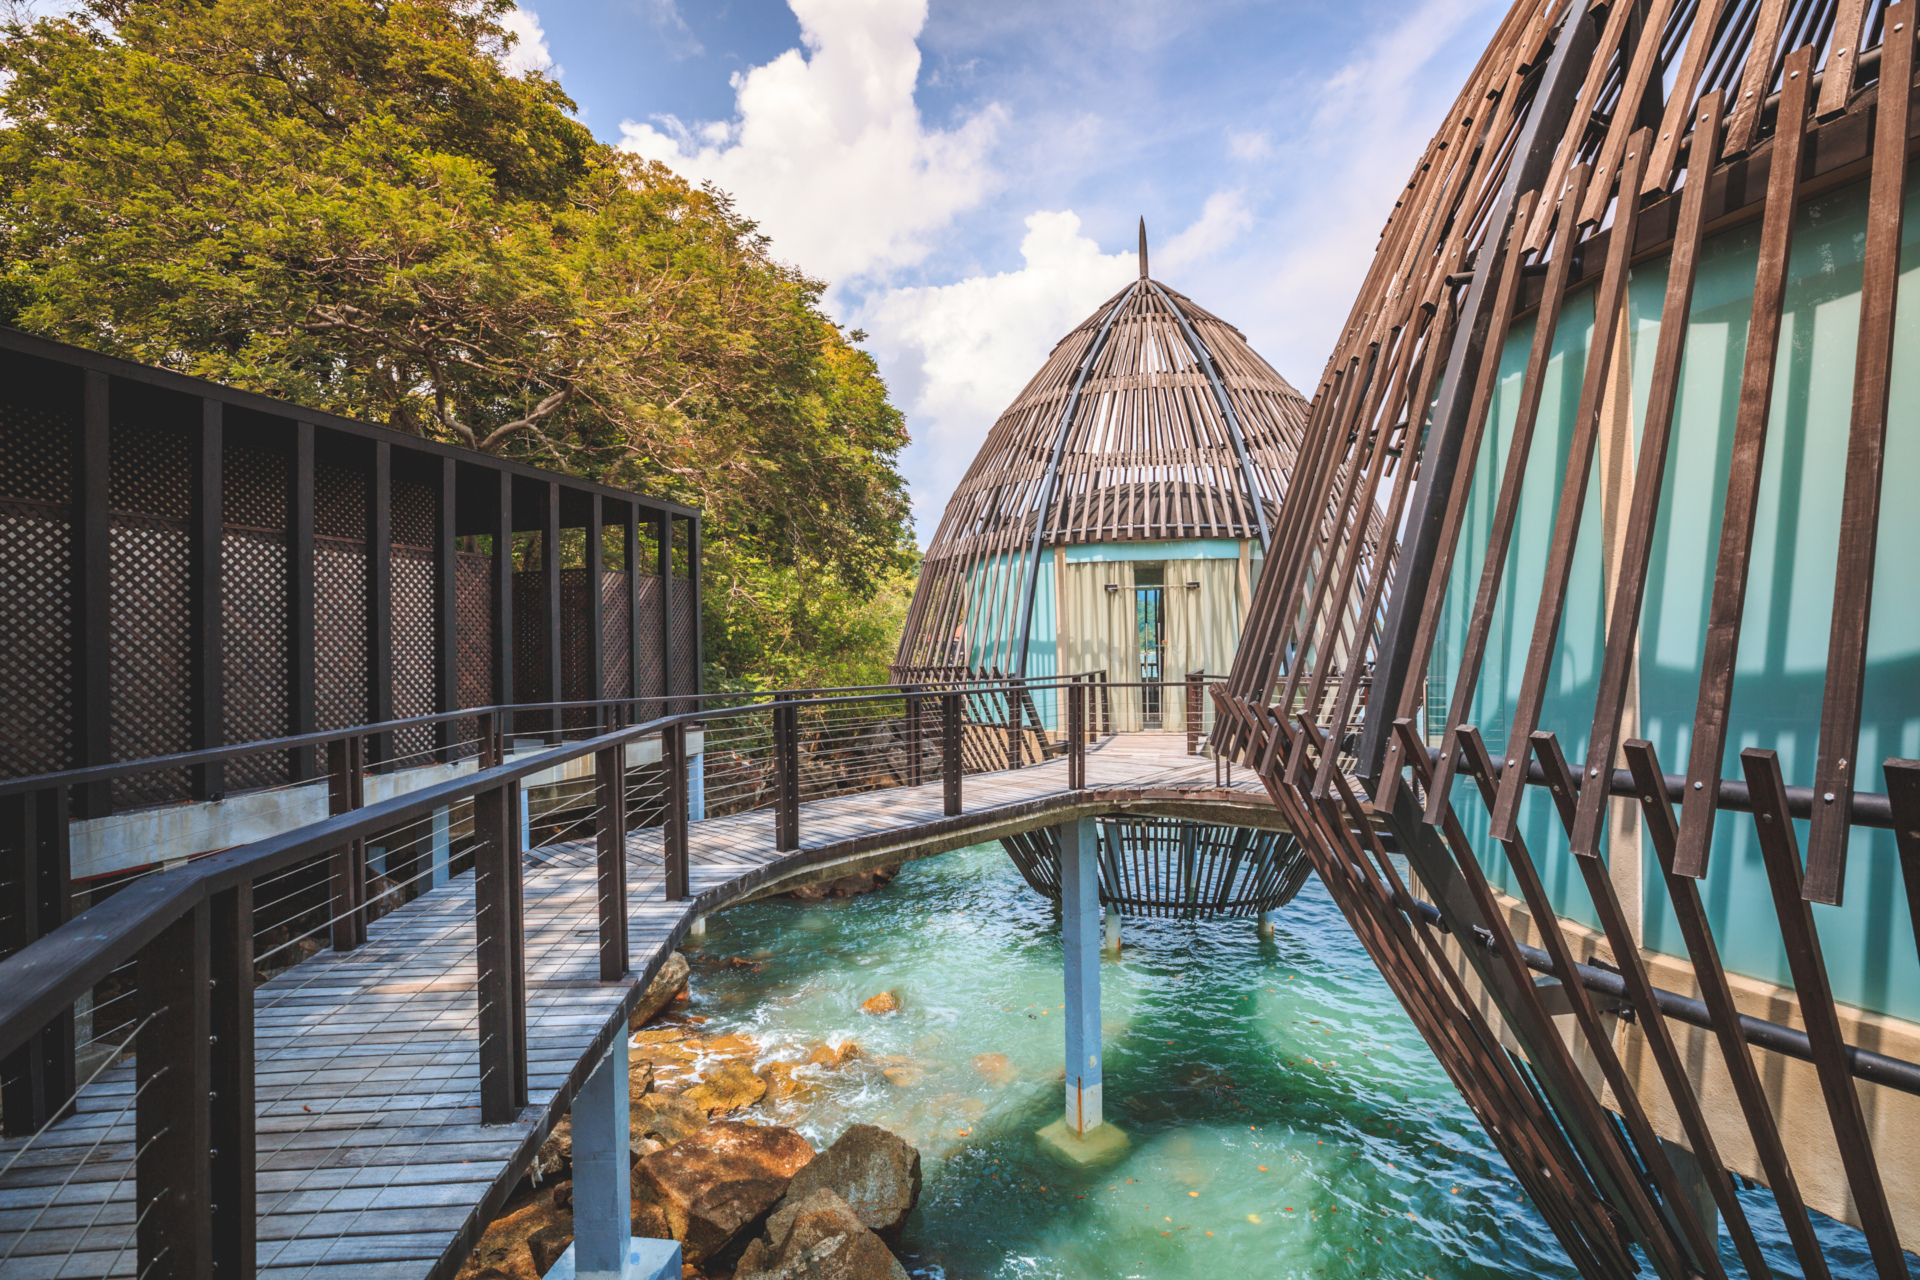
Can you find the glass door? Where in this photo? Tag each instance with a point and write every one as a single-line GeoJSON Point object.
{"type": "Point", "coordinates": [1150, 627]}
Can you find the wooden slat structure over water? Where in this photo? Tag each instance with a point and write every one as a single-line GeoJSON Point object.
{"type": "Point", "coordinates": [373, 1162]}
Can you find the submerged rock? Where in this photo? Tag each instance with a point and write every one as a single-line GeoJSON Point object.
{"type": "Point", "coordinates": [850, 886]}
{"type": "Point", "coordinates": [996, 1069]}
{"type": "Point", "coordinates": [885, 1002]}
{"type": "Point", "coordinates": [876, 1172]}
{"type": "Point", "coordinates": [707, 1189]}
{"type": "Point", "coordinates": [818, 1237]}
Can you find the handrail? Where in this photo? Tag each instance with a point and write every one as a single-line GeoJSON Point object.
{"type": "Point", "coordinates": [48, 974]}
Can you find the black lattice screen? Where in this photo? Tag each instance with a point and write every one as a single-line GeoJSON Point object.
{"type": "Point", "coordinates": [340, 597]}
{"type": "Point", "coordinates": [149, 500]}
{"type": "Point", "coordinates": [530, 641]}
{"type": "Point", "coordinates": [686, 663]}
{"type": "Point", "coordinates": [413, 658]}
{"type": "Point", "coordinates": [615, 625]}
{"type": "Point", "coordinates": [576, 644]}
{"type": "Point", "coordinates": [473, 607]}
{"type": "Point", "coordinates": [653, 678]}
{"type": "Point", "coordinates": [36, 608]}
{"type": "Point", "coordinates": [253, 609]}
{"type": "Point", "coordinates": [339, 633]}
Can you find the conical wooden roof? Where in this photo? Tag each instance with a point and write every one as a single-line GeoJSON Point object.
{"type": "Point", "coordinates": [1152, 419]}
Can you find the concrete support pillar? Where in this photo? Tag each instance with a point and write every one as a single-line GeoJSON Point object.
{"type": "Point", "coordinates": [604, 1246]}
{"type": "Point", "coordinates": [698, 929]}
{"type": "Point", "coordinates": [1080, 929]}
{"type": "Point", "coordinates": [697, 788]}
{"type": "Point", "coordinates": [1113, 930]}
{"type": "Point", "coordinates": [602, 1196]}
{"type": "Point", "coordinates": [442, 854]}
{"type": "Point", "coordinates": [1265, 928]}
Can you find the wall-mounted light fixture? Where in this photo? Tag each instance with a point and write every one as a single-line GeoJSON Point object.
{"type": "Point", "coordinates": [1193, 586]}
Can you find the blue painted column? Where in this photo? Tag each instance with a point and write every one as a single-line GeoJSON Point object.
{"type": "Point", "coordinates": [1080, 925]}
{"type": "Point", "coordinates": [697, 787]}
{"type": "Point", "coordinates": [604, 1247]}
{"type": "Point", "coordinates": [442, 847]}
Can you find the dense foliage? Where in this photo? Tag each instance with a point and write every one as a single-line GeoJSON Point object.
{"type": "Point", "coordinates": [353, 205]}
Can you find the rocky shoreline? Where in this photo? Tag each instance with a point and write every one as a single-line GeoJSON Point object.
{"type": "Point", "coordinates": [748, 1198]}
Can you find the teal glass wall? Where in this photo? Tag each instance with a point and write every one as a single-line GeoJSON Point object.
{"type": "Point", "coordinates": [993, 623]}
{"type": "Point", "coordinates": [1782, 662]}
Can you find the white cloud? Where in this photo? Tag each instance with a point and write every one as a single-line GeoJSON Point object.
{"type": "Point", "coordinates": [827, 150]}
{"type": "Point", "coordinates": [1253, 144]}
{"type": "Point", "coordinates": [1221, 220]}
{"type": "Point", "coordinates": [529, 51]}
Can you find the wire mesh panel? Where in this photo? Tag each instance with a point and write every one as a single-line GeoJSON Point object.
{"type": "Point", "coordinates": [530, 682]}
{"type": "Point", "coordinates": [148, 496]}
{"type": "Point", "coordinates": [36, 611]}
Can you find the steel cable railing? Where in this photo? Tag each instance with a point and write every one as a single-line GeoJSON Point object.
{"type": "Point", "coordinates": [171, 951]}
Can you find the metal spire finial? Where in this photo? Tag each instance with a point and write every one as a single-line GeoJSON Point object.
{"type": "Point", "coordinates": [1143, 248]}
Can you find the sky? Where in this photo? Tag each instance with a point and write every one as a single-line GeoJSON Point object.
{"type": "Point", "coordinates": [967, 175]}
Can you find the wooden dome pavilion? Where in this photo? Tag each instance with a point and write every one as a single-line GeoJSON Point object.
{"type": "Point", "coordinates": [1117, 516]}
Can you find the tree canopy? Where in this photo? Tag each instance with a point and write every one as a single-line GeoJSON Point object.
{"type": "Point", "coordinates": [353, 205]}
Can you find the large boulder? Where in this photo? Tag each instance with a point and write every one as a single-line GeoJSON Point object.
{"type": "Point", "coordinates": [507, 1247]}
{"type": "Point", "coordinates": [666, 1118]}
{"type": "Point", "coordinates": [875, 1172]}
{"type": "Point", "coordinates": [818, 1237]}
{"type": "Point", "coordinates": [667, 984]}
{"type": "Point", "coordinates": [710, 1188]}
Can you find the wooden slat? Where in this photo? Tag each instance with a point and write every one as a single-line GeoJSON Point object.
{"type": "Point", "coordinates": [1743, 479]}
{"type": "Point", "coordinates": [1837, 764]}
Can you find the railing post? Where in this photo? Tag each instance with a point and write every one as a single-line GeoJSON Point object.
{"type": "Point", "coordinates": [950, 752]}
{"type": "Point", "coordinates": [173, 1111]}
{"type": "Point", "coordinates": [914, 746]}
{"type": "Point", "coordinates": [230, 1014]}
{"type": "Point", "coordinates": [786, 776]}
{"type": "Point", "coordinates": [1016, 728]}
{"type": "Point", "coordinates": [610, 773]}
{"type": "Point", "coordinates": [345, 793]}
{"type": "Point", "coordinates": [1076, 736]}
{"type": "Point", "coordinates": [1106, 706]}
{"type": "Point", "coordinates": [498, 950]}
{"type": "Point", "coordinates": [1195, 682]}
{"type": "Point", "coordinates": [39, 1076]}
{"type": "Point", "coordinates": [673, 754]}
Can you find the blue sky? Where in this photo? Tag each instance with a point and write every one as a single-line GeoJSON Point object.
{"type": "Point", "coordinates": [967, 175]}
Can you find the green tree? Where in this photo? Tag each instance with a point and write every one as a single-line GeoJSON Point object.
{"type": "Point", "coordinates": [352, 205]}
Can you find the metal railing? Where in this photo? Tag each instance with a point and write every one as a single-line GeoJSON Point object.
{"type": "Point", "coordinates": [154, 973]}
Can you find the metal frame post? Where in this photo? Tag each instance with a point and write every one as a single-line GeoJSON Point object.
{"type": "Point", "coordinates": [302, 692]}
{"type": "Point", "coordinates": [596, 621]}
{"type": "Point", "coordinates": [91, 569]}
{"type": "Point", "coordinates": [346, 791]}
{"type": "Point", "coordinates": [231, 1087]}
{"type": "Point", "coordinates": [205, 673]}
{"type": "Point", "coordinates": [498, 954]}
{"type": "Point", "coordinates": [501, 619]}
{"type": "Point", "coordinates": [786, 775]}
{"type": "Point", "coordinates": [1076, 736]}
{"type": "Point", "coordinates": [380, 604]}
{"type": "Point", "coordinates": [173, 1112]}
{"type": "Point", "coordinates": [950, 752]}
{"type": "Point", "coordinates": [914, 746]}
{"type": "Point", "coordinates": [39, 1076]}
{"type": "Point", "coordinates": [1196, 680]}
{"type": "Point", "coordinates": [446, 614]}
{"type": "Point", "coordinates": [611, 838]}
{"type": "Point", "coordinates": [673, 754]}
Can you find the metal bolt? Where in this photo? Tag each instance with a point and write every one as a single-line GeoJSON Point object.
{"type": "Point", "coordinates": [1766, 817]}
{"type": "Point", "coordinates": [1698, 785]}
{"type": "Point", "coordinates": [1593, 773]}
{"type": "Point", "coordinates": [1843, 762]}
{"type": "Point", "coordinates": [1828, 797]}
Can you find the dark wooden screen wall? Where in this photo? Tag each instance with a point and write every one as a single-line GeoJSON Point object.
{"type": "Point", "coordinates": [183, 565]}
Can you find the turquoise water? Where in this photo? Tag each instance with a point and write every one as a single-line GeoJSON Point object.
{"type": "Point", "coordinates": [1286, 1120]}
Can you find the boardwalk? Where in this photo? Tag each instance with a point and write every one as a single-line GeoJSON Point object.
{"type": "Point", "coordinates": [372, 1160]}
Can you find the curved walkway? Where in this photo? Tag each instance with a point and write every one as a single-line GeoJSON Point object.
{"type": "Point", "coordinates": [372, 1162]}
